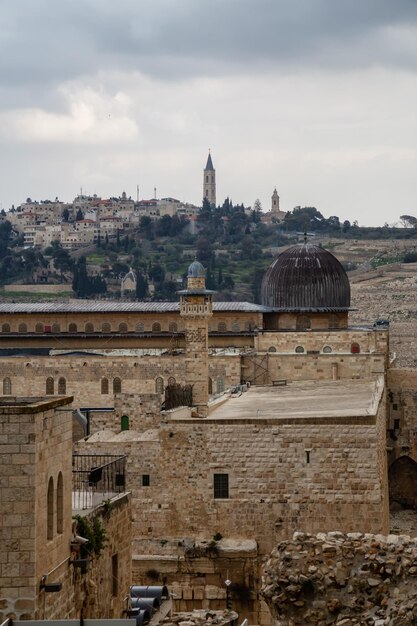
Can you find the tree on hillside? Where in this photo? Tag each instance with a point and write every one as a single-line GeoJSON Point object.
{"type": "Point", "coordinates": [141, 286]}
{"type": "Point", "coordinates": [79, 216]}
{"type": "Point", "coordinates": [408, 221]}
{"type": "Point", "coordinates": [65, 215]}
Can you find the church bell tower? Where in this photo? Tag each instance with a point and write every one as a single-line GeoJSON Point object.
{"type": "Point", "coordinates": [209, 182]}
{"type": "Point", "coordinates": [196, 308]}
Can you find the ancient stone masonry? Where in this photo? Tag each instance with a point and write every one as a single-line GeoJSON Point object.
{"type": "Point", "coordinates": [342, 579]}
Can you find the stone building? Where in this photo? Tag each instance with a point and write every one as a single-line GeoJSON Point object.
{"type": "Point", "coordinates": [214, 486]}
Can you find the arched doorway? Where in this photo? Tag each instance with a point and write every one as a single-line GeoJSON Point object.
{"type": "Point", "coordinates": [402, 478]}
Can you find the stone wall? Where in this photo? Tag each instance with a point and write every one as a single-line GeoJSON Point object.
{"type": "Point", "coordinates": [340, 579]}
{"type": "Point", "coordinates": [83, 376]}
{"type": "Point", "coordinates": [101, 591]}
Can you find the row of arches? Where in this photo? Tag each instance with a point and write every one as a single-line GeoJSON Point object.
{"type": "Point", "coordinates": [219, 386]}
{"type": "Point", "coordinates": [55, 507]}
{"type": "Point", "coordinates": [123, 327]}
{"type": "Point", "coordinates": [354, 349]}
{"type": "Point", "coordinates": [62, 386]}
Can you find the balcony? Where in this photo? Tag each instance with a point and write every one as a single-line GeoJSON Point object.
{"type": "Point", "coordinates": [96, 478]}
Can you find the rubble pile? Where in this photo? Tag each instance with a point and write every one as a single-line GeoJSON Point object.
{"type": "Point", "coordinates": [200, 617]}
{"type": "Point", "coordinates": [343, 579]}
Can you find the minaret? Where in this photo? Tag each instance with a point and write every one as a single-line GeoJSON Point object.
{"type": "Point", "coordinates": [209, 182]}
{"type": "Point", "coordinates": [275, 201]}
{"type": "Point", "coordinates": [196, 309]}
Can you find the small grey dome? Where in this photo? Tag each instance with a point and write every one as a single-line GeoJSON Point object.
{"type": "Point", "coordinates": [306, 277]}
{"type": "Point", "coordinates": [196, 270]}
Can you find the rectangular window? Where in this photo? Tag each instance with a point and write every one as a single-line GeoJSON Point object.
{"type": "Point", "coordinates": [221, 485]}
{"type": "Point", "coordinates": [146, 480]}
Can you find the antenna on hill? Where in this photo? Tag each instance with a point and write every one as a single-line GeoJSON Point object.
{"type": "Point", "coordinates": [137, 193]}
{"type": "Point", "coordinates": [154, 193]}
{"type": "Point", "coordinates": [305, 234]}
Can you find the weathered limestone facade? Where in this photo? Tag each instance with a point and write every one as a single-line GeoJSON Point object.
{"type": "Point", "coordinates": [324, 471]}
{"type": "Point", "coordinates": [36, 520]}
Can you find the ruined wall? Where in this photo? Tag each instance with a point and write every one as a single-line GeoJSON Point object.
{"type": "Point", "coordinates": [351, 579]}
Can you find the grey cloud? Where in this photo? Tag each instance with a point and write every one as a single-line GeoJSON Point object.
{"type": "Point", "coordinates": [44, 41]}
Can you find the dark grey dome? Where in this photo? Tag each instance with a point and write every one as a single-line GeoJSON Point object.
{"type": "Point", "coordinates": [306, 278]}
{"type": "Point", "coordinates": [196, 270]}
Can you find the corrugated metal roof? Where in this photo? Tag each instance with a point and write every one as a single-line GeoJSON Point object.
{"type": "Point", "coordinates": [115, 306]}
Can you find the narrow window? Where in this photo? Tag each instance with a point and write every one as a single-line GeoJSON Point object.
{"type": "Point", "coordinates": [60, 504]}
{"type": "Point", "coordinates": [115, 575]}
{"type": "Point", "coordinates": [5, 328]}
{"type": "Point", "coordinates": [159, 385]}
{"type": "Point", "coordinates": [7, 387]}
{"type": "Point", "coordinates": [207, 179]}
{"type": "Point", "coordinates": [49, 386]}
{"type": "Point", "coordinates": [117, 385]}
{"type": "Point", "coordinates": [210, 386]}
{"type": "Point", "coordinates": [50, 510]}
{"type": "Point", "coordinates": [124, 423]}
{"type": "Point", "coordinates": [123, 328]}
{"type": "Point", "coordinates": [171, 380]}
{"type": "Point", "coordinates": [396, 424]}
{"type": "Point", "coordinates": [308, 456]}
{"type": "Point", "coordinates": [72, 328]}
{"type": "Point", "coordinates": [146, 480]}
{"type": "Point", "coordinates": [156, 327]}
{"type": "Point", "coordinates": [173, 328]}
{"type": "Point", "coordinates": [62, 386]}
{"type": "Point", "coordinates": [89, 328]}
{"type": "Point", "coordinates": [221, 485]}
{"type": "Point", "coordinates": [23, 328]}
{"type": "Point", "coordinates": [104, 386]}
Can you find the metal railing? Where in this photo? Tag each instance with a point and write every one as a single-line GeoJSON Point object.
{"type": "Point", "coordinates": [95, 478]}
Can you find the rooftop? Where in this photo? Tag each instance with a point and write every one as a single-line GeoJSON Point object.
{"type": "Point", "coordinates": [304, 400]}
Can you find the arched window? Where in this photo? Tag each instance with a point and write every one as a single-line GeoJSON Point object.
{"type": "Point", "coordinates": [327, 349]}
{"type": "Point", "coordinates": [39, 328]}
{"type": "Point", "coordinates": [49, 386]}
{"type": "Point", "coordinates": [60, 504]}
{"type": "Point", "coordinates": [23, 328]}
{"type": "Point", "coordinates": [50, 509]}
{"type": "Point", "coordinates": [117, 385]}
{"type": "Point", "coordinates": [89, 328]}
{"type": "Point", "coordinates": [5, 328]}
{"type": "Point", "coordinates": [156, 327]}
{"type": "Point", "coordinates": [272, 349]}
{"type": "Point", "coordinates": [104, 386]}
{"type": "Point", "coordinates": [355, 348]}
{"type": "Point", "coordinates": [210, 385]}
{"type": "Point", "coordinates": [333, 321]}
{"type": "Point", "coordinates": [62, 386]}
{"type": "Point", "coordinates": [173, 328]}
{"type": "Point", "coordinates": [106, 328]}
{"type": "Point", "coordinates": [56, 328]}
{"type": "Point", "coordinates": [221, 327]}
{"type": "Point", "coordinates": [171, 380]}
{"type": "Point", "coordinates": [72, 328]}
{"type": "Point", "coordinates": [7, 387]}
{"type": "Point", "coordinates": [159, 385]}
{"type": "Point", "coordinates": [123, 327]}
{"type": "Point", "coordinates": [235, 327]}
{"type": "Point", "coordinates": [299, 349]}
{"type": "Point", "coordinates": [124, 422]}
{"type": "Point", "coordinates": [140, 327]}
{"type": "Point", "coordinates": [303, 322]}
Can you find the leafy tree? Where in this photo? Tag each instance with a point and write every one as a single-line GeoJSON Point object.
{"type": "Point", "coordinates": [79, 215]}
{"type": "Point", "coordinates": [65, 215]}
{"type": "Point", "coordinates": [141, 286]}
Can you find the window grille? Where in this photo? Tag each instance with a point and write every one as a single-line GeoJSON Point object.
{"type": "Point", "coordinates": [221, 485]}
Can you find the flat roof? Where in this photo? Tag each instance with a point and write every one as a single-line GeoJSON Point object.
{"type": "Point", "coordinates": [304, 400]}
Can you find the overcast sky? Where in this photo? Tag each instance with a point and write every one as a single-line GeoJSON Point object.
{"type": "Point", "coordinates": [315, 97]}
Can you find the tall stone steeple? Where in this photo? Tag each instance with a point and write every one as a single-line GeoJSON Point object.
{"type": "Point", "coordinates": [209, 182]}
{"type": "Point", "coordinates": [196, 308]}
{"type": "Point", "coordinates": [275, 201]}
